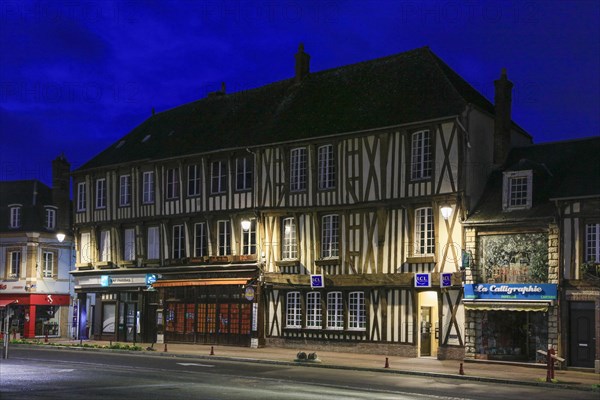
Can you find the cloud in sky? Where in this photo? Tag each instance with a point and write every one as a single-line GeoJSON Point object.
{"type": "Point", "coordinates": [75, 76]}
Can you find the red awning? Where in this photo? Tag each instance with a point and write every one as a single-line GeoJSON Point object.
{"type": "Point", "coordinates": [4, 303]}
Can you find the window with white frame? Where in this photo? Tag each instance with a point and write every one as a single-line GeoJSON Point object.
{"type": "Point", "coordinates": [14, 266]}
{"type": "Point", "coordinates": [101, 193]}
{"type": "Point", "coordinates": [153, 243]}
{"type": "Point", "coordinates": [129, 244]}
{"type": "Point", "coordinates": [357, 316]}
{"type": "Point", "coordinates": [105, 248]}
{"type": "Point", "coordinates": [224, 235]}
{"type": "Point", "coordinates": [289, 248]}
{"type": "Point", "coordinates": [313, 310]}
{"type": "Point", "coordinates": [200, 240]}
{"type": "Point", "coordinates": [178, 244]}
{"type": "Point", "coordinates": [50, 218]}
{"type": "Point", "coordinates": [243, 173]}
{"type": "Point", "coordinates": [330, 236]}
{"type": "Point", "coordinates": [592, 243]}
{"type": "Point", "coordinates": [15, 217]}
{"type": "Point", "coordinates": [81, 196]}
{"type": "Point", "coordinates": [293, 310]}
{"type": "Point", "coordinates": [421, 157]}
{"type": "Point", "coordinates": [335, 311]}
{"type": "Point", "coordinates": [125, 190]}
{"type": "Point", "coordinates": [194, 180]}
{"type": "Point", "coordinates": [148, 187]}
{"type": "Point", "coordinates": [326, 167]}
{"type": "Point", "coordinates": [172, 186]}
{"type": "Point", "coordinates": [48, 264]}
{"type": "Point", "coordinates": [218, 177]}
{"type": "Point", "coordinates": [424, 232]}
{"type": "Point", "coordinates": [517, 189]}
{"type": "Point", "coordinates": [85, 250]}
{"type": "Point", "coordinates": [298, 168]}
{"type": "Point", "coordinates": [249, 239]}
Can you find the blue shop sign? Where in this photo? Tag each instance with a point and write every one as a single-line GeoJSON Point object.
{"type": "Point", "coordinates": [150, 279]}
{"type": "Point", "coordinates": [511, 291]}
{"type": "Point", "coordinates": [316, 281]}
{"type": "Point", "coordinates": [422, 279]}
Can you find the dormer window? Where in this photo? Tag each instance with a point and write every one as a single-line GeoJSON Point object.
{"type": "Point", "coordinates": [516, 194]}
{"type": "Point", "coordinates": [15, 216]}
{"type": "Point", "coordinates": [50, 218]}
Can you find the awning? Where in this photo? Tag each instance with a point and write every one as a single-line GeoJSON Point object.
{"type": "Point", "coordinates": [539, 306]}
{"type": "Point", "coordinates": [4, 303]}
{"type": "Point", "coordinates": [199, 282]}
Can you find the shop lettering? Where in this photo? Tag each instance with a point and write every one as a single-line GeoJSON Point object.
{"type": "Point", "coordinates": [122, 280]}
{"type": "Point", "coordinates": [505, 289]}
{"type": "Point", "coordinates": [3, 287]}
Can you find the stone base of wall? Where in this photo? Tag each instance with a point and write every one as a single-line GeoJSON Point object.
{"type": "Point", "coordinates": [451, 353]}
{"type": "Point", "coordinates": [387, 349]}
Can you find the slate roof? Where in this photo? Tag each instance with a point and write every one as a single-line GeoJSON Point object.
{"type": "Point", "coordinates": [566, 169]}
{"type": "Point", "coordinates": [23, 192]}
{"type": "Point", "coordinates": [403, 88]}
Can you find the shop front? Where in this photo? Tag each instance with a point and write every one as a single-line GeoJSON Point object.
{"type": "Point", "coordinates": [207, 311]}
{"type": "Point", "coordinates": [38, 315]}
{"type": "Point", "coordinates": [511, 321]}
{"type": "Point", "coordinates": [117, 307]}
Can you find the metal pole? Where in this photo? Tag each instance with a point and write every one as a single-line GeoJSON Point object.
{"type": "Point", "coordinates": [6, 338]}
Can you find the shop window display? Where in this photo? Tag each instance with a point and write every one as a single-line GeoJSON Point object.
{"type": "Point", "coordinates": [47, 321]}
{"type": "Point", "coordinates": [512, 335]}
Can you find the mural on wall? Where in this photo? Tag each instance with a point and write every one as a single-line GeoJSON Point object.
{"type": "Point", "coordinates": [517, 258]}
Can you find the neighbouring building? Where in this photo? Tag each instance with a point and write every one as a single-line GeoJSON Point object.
{"type": "Point", "coordinates": [322, 211]}
{"type": "Point", "coordinates": [531, 240]}
{"type": "Point", "coordinates": [35, 284]}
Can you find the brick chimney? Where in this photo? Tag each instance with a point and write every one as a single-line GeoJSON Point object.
{"type": "Point", "coordinates": [61, 191]}
{"type": "Point", "coordinates": [302, 63]}
{"type": "Point", "coordinates": [502, 121]}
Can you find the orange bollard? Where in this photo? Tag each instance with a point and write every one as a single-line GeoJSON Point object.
{"type": "Point", "coordinates": [212, 351]}
{"type": "Point", "coordinates": [461, 371]}
{"type": "Point", "coordinates": [387, 363]}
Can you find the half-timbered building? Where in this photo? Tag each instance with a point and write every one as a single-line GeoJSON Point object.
{"type": "Point", "coordinates": [322, 211]}
{"type": "Point", "coordinates": [532, 281]}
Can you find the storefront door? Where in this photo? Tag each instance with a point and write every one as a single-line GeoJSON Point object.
{"type": "Point", "coordinates": [582, 342]}
{"type": "Point", "coordinates": [425, 331]}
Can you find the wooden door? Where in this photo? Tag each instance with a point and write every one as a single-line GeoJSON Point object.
{"type": "Point", "coordinates": [582, 343]}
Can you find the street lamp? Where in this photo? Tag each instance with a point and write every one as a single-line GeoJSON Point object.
{"type": "Point", "coordinates": [446, 211]}
{"type": "Point", "coordinates": [246, 224]}
{"type": "Point", "coordinates": [60, 236]}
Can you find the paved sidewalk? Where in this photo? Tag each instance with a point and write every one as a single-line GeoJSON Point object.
{"type": "Point", "coordinates": [473, 370]}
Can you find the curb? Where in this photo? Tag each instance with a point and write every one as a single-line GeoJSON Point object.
{"type": "Point", "coordinates": [586, 388]}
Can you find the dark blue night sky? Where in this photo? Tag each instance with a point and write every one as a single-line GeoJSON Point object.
{"type": "Point", "coordinates": [77, 75]}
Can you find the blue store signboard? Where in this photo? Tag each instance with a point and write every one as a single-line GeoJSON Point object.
{"type": "Point", "coordinates": [511, 291]}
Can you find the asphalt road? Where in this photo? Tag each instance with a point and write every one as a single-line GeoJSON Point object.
{"type": "Point", "coordinates": [35, 373]}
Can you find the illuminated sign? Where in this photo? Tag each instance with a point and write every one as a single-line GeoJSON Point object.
{"type": "Point", "coordinates": [423, 279]}
{"type": "Point", "coordinates": [511, 291]}
{"type": "Point", "coordinates": [445, 279]}
{"type": "Point", "coordinates": [316, 281]}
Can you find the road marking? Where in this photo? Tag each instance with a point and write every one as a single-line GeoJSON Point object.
{"type": "Point", "coordinates": [65, 370]}
{"type": "Point", "coordinates": [195, 365]}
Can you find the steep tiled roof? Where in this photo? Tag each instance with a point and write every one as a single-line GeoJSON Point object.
{"type": "Point", "coordinates": [567, 169]}
{"type": "Point", "coordinates": [404, 88]}
{"type": "Point", "coordinates": [32, 195]}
